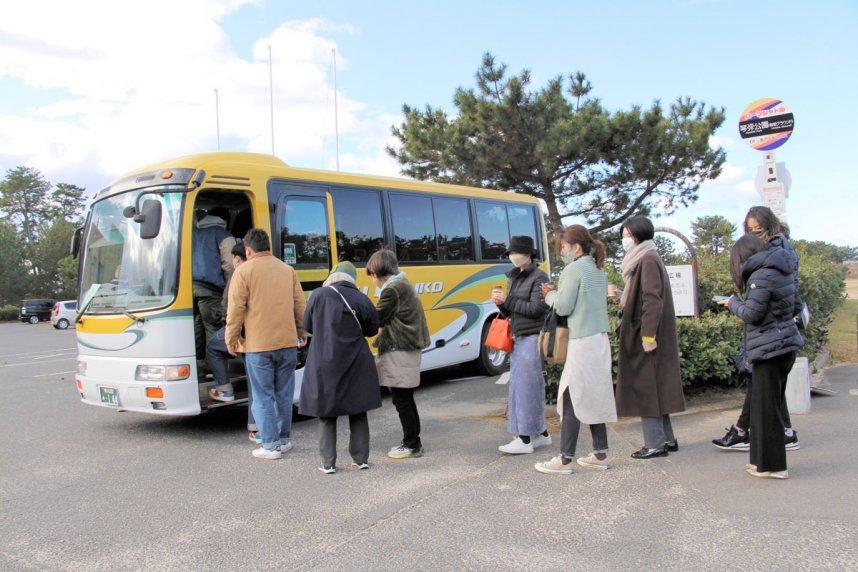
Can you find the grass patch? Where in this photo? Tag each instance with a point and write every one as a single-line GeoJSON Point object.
{"type": "Point", "coordinates": [842, 335]}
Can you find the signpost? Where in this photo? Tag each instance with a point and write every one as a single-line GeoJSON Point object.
{"type": "Point", "coordinates": [765, 125]}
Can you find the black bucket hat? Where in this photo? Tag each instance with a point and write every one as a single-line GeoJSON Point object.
{"type": "Point", "coordinates": [521, 245]}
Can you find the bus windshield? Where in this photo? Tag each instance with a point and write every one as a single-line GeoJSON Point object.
{"type": "Point", "coordinates": [122, 272]}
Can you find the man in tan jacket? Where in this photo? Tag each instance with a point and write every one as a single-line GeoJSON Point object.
{"type": "Point", "coordinates": [265, 298]}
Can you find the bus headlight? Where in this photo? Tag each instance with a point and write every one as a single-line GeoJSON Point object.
{"type": "Point", "coordinates": [162, 372]}
{"type": "Point", "coordinates": [81, 367]}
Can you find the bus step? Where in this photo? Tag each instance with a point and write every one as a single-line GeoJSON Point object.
{"type": "Point", "coordinates": [209, 403]}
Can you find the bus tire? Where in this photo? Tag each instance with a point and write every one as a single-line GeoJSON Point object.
{"type": "Point", "coordinates": [491, 362]}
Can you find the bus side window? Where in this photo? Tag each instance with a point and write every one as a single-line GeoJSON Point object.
{"type": "Point", "coordinates": [493, 228]}
{"type": "Point", "coordinates": [413, 228]}
{"type": "Point", "coordinates": [358, 223]}
{"type": "Point", "coordinates": [453, 225]}
{"type": "Point", "coordinates": [304, 239]}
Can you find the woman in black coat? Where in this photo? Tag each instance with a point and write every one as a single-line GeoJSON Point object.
{"type": "Point", "coordinates": [762, 222]}
{"type": "Point", "coordinates": [340, 376]}
{"type": "Point", "coordinates": [764, 275]}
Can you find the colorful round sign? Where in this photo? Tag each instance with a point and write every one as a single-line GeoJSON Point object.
{"type": "Point", "coordinates": [766, 124]}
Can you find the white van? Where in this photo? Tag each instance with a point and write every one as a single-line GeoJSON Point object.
{"type": "Point", "coordinates": [63, 314]}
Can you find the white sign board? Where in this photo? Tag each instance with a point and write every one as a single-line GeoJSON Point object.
{"type": "Point", "coordinates": [774, 197]}
{"type": "Point", "coordinates": [682, 286]}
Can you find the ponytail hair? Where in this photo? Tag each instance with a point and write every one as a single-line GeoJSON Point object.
{"type": "Point", "coordinates": [577, 234]}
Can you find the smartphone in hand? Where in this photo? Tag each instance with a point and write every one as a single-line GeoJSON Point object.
{"type": "Point", "coordinates": [720, 298]}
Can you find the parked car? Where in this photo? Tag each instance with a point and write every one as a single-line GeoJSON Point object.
{"type": "Point", "coordinates": [36, 310]}
{"type": "Point", "coordinates": [63, 314]}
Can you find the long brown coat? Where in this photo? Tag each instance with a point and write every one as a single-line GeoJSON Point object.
{"type": "Point", "coordinates": [649, 384]}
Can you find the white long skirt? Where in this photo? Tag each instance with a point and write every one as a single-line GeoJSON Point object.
{"type": "Point", "coordinates": [587, 375]}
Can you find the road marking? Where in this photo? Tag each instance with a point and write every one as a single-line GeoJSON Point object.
{"type": "Point", "coordinates": [3, 356]}
{"type": "Point", "coordinates": [51, 355]}
{"type": "Point", "coordinates": [35, 362]}
{"type": "Point", "coordinates": [57, 373]}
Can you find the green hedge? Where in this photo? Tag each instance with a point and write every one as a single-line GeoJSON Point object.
{"type": "Point", "coordinates": [709, 344]}
{"type": "Point", "coordinates": [821, 284]}
{"type": "Point", "coordinates": [9, 312]}
{"type": "Point", "coordinates": [708, 347]}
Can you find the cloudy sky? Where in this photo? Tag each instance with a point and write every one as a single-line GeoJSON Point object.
{"type": "Point", "coordinates": [92, 89]}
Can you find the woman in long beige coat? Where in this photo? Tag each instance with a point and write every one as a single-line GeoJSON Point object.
{"type": "Point", "coordinates": [649, 383]}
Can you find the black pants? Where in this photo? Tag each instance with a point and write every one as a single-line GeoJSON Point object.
{"type": "Point", "coordinates": [403, 400]}
{"type": "Point", "coordinates": [358, 439]}
{"type": "Point", "coordinates": [745, 416]}
{"type": "Point", "coordinates": [767, 397]}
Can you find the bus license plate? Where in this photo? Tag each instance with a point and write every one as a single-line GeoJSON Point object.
{"type": "Point", "coordinates": [109, 395]}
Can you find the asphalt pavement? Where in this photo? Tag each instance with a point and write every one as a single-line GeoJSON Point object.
{"type": "Point", "coordinates": [86, 488]}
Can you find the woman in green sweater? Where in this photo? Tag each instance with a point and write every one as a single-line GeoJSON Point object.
{"type": "Point", "coordinates": [586, 393]}
{"type": "Point", "coordinates": [402, 337]}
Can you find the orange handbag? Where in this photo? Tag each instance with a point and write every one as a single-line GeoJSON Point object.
{"type": "Point", "coordinates": [500, 335]}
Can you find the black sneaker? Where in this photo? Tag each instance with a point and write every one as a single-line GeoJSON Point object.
{"type": "Point", "coordinates": [732, 441]}
{"type": "Point", "coordinates": [791, 442]}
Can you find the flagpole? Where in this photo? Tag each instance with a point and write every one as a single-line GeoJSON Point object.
{"type": "Point", "coordinates": [217, 118]}
{"type": "Point", "coordinates": [271, 89]}
{"type": "Point", "coordinates": [336, 116]}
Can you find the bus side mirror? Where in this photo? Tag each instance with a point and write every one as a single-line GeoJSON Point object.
{"type": "Point", "coordinates": [75, 241]}
{"type": "Point", "coordinates": [149, 219]}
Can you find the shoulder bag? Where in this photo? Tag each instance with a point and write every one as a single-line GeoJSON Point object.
{"type": "Point", "coordinates": [554, 338]}
{"type": "Point", "coordinates": [500, 334]}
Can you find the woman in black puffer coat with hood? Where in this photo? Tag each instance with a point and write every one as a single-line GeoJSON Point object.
{"type": "Point", "coordinates": [764, 276]}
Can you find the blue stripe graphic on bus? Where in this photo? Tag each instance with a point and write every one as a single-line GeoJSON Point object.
{"type": "Point", "coordinates": [488, 275]}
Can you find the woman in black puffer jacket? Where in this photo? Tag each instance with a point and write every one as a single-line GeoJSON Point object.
{"type": "Point", "coordinates": [765, 276]}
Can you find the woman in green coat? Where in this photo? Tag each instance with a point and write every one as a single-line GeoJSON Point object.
{"type": "Point", "coordinates": [403, 335]}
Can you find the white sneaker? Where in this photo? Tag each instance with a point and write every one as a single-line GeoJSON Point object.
{"type": "Point", "coordinates": [554, 467]}
{"type": "Point", "coordinates": [287, 446]}
{"type": "Point", "coordinates": [516, 447]}
{"type": "Point", "coordinates": [263, 453]}
{"type": "Point", "coordinates": [540, 441]}
{"type": "Point", "coordinates": [593, 462]}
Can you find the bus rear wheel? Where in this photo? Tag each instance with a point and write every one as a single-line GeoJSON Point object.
{"type": "Point", "coordinates": [491, 362]}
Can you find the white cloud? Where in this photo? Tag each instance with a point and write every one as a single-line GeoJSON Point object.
{"type": "Point", "coordinates": [140, 90]}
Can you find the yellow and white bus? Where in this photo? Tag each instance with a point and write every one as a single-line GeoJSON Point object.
{"type": "Point", "coordinates": [135, 327]}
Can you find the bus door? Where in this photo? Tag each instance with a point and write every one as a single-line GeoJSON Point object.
{"type": "Point", "coordinates": [302, 230]}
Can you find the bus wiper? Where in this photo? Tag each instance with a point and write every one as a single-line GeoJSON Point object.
{"type": "Point", "coordinates": [138, 319]}
{"type": "Point", "coordinates": [79, 318]}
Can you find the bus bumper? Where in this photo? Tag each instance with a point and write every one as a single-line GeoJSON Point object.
{"type": "Point", "coordinates": [110, 383]}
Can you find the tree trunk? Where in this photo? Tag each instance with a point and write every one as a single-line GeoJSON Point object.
{"type": "Point", "coordinates": [555, 221]}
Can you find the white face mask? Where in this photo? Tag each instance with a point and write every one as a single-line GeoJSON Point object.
{"type": "Point", "coordinates": [519, 260]}
{"type": "Point", "coordinates": [566, 255]}
{"type": "Point", "coordinates": [628, 243]}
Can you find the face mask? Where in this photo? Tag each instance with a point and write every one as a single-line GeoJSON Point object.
{"type": "Point", "coordinates": [519, 260]}
{"type": "Point", "coordinates": [567, 256]}
{"type": "Point", "coordinates": [628, 243]}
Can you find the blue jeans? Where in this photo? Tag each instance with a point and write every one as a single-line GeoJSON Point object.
{"type": "Point", "coordinates": [272, 379]}
{"type": "Point", "coordinates": [218, 359]}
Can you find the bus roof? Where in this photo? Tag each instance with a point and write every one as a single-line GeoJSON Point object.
{"type": "Point", "coordinates": [249, 164]}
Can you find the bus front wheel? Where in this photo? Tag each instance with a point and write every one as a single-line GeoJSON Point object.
{"type": "Point", "coordinates": [491, 361]}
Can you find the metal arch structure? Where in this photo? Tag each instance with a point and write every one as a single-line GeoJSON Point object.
{"type": "Point", "coordinates": [693, 253]}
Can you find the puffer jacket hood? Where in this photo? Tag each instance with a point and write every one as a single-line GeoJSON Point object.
{"type": "Point", "coordinates": [772, 258]}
